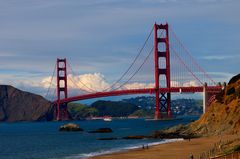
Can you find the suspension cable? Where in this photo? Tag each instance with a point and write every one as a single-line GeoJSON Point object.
{"type": "Point", "coordinates": [135, 59]}
{"type": "Point", "coordinates": [136, 70]}
{"type": "Point", "coordinates": [54, 70]}
{"type": "Point", "coordinates": [140, 65]}
{"type": "Point", "coordinates": [174, 51]}
{"type": "Point", "coordinates": [189, 54]}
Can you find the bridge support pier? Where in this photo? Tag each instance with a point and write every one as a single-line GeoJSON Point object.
{"type": "Point", "coordinates": [163, 100]}
{"type": "Point", "coordinates": [208, 97]}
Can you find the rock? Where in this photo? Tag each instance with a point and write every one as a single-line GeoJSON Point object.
{"type": "Point", "coordinates": [70, 127]}
{"type": "Point", "coordinates": [178, 131]}
{"type": "Point", "coordinates": [102, 130]}
{"type": "Point", "coordinates": [17, 105]}
{"type": "Point", "coordinates": [135, 137]}
{"type": "Point", "coordinates": [109, 138]}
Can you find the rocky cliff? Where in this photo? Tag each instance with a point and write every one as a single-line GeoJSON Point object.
{"type": "Point", "coordinates": [223, 116]}
{"type": "Point", "coordinates": [17, 105]}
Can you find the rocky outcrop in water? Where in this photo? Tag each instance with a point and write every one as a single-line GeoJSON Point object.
{"type": "Point", "coordinates": [70, 127]}
{"type": "Point", "coordinates": [17, 105]}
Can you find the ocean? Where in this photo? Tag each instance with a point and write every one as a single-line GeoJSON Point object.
{"type": "Point", "coordinates": [42, 140]}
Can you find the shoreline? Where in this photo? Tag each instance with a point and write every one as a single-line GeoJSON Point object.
{"type": "Point", "coordinates": [181, 149]}
{"type": "Point", "coordinates": [128, 148]}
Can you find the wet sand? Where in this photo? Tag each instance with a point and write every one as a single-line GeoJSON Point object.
{"type": "Point", "coordinates": [175, 150]}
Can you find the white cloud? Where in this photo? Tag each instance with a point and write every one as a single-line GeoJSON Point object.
{"type": "Point", "coordinates": [137, 85]}
{"type": "Point", "coordinates": [175, 84]}
{"type": "Point", "coordinates": [220, 57]}
{"type": "Point", "coordinates": [89, 82]}
{"type": "Point", "coordinates": [92, 83]}
{"type": "Point", "coordinates": [190, 83]}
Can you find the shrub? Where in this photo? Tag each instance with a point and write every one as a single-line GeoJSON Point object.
{"type": "Point", "coordinates": [237, 148]}
{"type": "Point", "coordinates": [238, 92]}
{"type": "Point", "coordinates": [231, 91]}
{"type": "Point", "coordinates": [219, 97]}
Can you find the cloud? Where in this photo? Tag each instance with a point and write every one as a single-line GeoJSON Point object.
{"type": "Point", "coordinates": [221, 76]}
{"type": "Point", "coordinates": [190, 84]}
{"type": "Point", "coordinates": [85, 84]}
{"type": "Point", "coordinates": [220, 57]}
{"type": "Point", "coordinates": [7, 54]}
{"type": "Point", "coordinates": [89, 82]}
{"type": "Point", "coordinates": [175, 84]}
{"type": "Point", "coordinates": [137, 85]}
{"type": "Point", "coordinates": [94, 82]}
{"type": "Point", "coordinates": [102, 36]}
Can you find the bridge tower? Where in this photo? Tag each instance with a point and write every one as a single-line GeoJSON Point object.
{"type": "Point", "coordinates": [163, 100]}
{"type": "Point", "coordinates": [62, 91]}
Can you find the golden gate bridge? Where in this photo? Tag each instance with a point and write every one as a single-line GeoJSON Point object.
{"type": "Point", "coordinates": [172, 70]}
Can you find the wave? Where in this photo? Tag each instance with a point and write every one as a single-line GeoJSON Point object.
{"type": "Point", "coordinates": [121, 149]}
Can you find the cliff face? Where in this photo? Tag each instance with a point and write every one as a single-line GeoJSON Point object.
{"type": "Point", "coordinates": [17, 105]}
{"type": "Point", "coordinates": [223, 116]}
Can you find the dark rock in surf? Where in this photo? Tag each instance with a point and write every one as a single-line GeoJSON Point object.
{"type": "Point", "coordinates": [102, 130]}
{"type": "Point", "coordinates": [109, 138]}
{"type": "Point", "coordinates": [135, 137]}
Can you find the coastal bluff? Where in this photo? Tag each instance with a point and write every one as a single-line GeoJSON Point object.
{"type": "Point", "coordinates": [17, 105]}
{"type": "Point", "coordinates": [221, 118]}
{"type": "Point", "coordinates": [223, 115]}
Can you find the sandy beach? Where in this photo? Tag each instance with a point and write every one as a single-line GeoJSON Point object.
{"type": "Point", "coordinates": [175, 150]}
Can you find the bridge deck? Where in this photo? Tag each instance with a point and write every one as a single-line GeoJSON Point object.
{"type": "Point", "coordinates": [140, 91]}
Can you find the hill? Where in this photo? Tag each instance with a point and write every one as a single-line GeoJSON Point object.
{"type": "Point", "coordinates": [80, 111]}
{"type": "Point", "coordinates": [17, 105]}
{"type": "Point", "coordinates": [113, 108]}
{"type": "Point", "coordinates": [143, 106]}
{"type": "Point", "coordinates": [179, 107]}
{"type": "Point", "coordinates": [223, 116]}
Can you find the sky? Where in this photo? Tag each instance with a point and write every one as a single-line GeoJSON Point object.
{"type": "Point", "coordinates": [101, 38]}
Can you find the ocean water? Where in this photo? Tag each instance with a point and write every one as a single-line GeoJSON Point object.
{"type": "Point", "coordinates": [42, 140]}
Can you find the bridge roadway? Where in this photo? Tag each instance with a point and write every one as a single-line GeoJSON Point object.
{"type": "Point", "coordinates": [141, 91]}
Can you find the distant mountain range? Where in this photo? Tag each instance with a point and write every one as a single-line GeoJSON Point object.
{"type": "Point", "coordinates": [143, 106]}
{"type": "Point", "coordinates": [179, 106]}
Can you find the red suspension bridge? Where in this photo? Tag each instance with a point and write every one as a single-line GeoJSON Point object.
{"type": "Point", "coordinates": [168, 63]}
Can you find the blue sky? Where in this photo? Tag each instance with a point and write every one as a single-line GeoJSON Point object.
{"type": "Point", "coordinates": [104, 36]}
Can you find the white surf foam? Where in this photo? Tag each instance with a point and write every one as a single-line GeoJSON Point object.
{"type": "Point", "coordinates": [104, 152]}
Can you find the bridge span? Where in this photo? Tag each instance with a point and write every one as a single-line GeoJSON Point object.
{"type": "Point", "coordinates": [163, 61]}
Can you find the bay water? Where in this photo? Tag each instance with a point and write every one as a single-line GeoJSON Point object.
{"type": "Point", "coordinates": [42, 140]}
